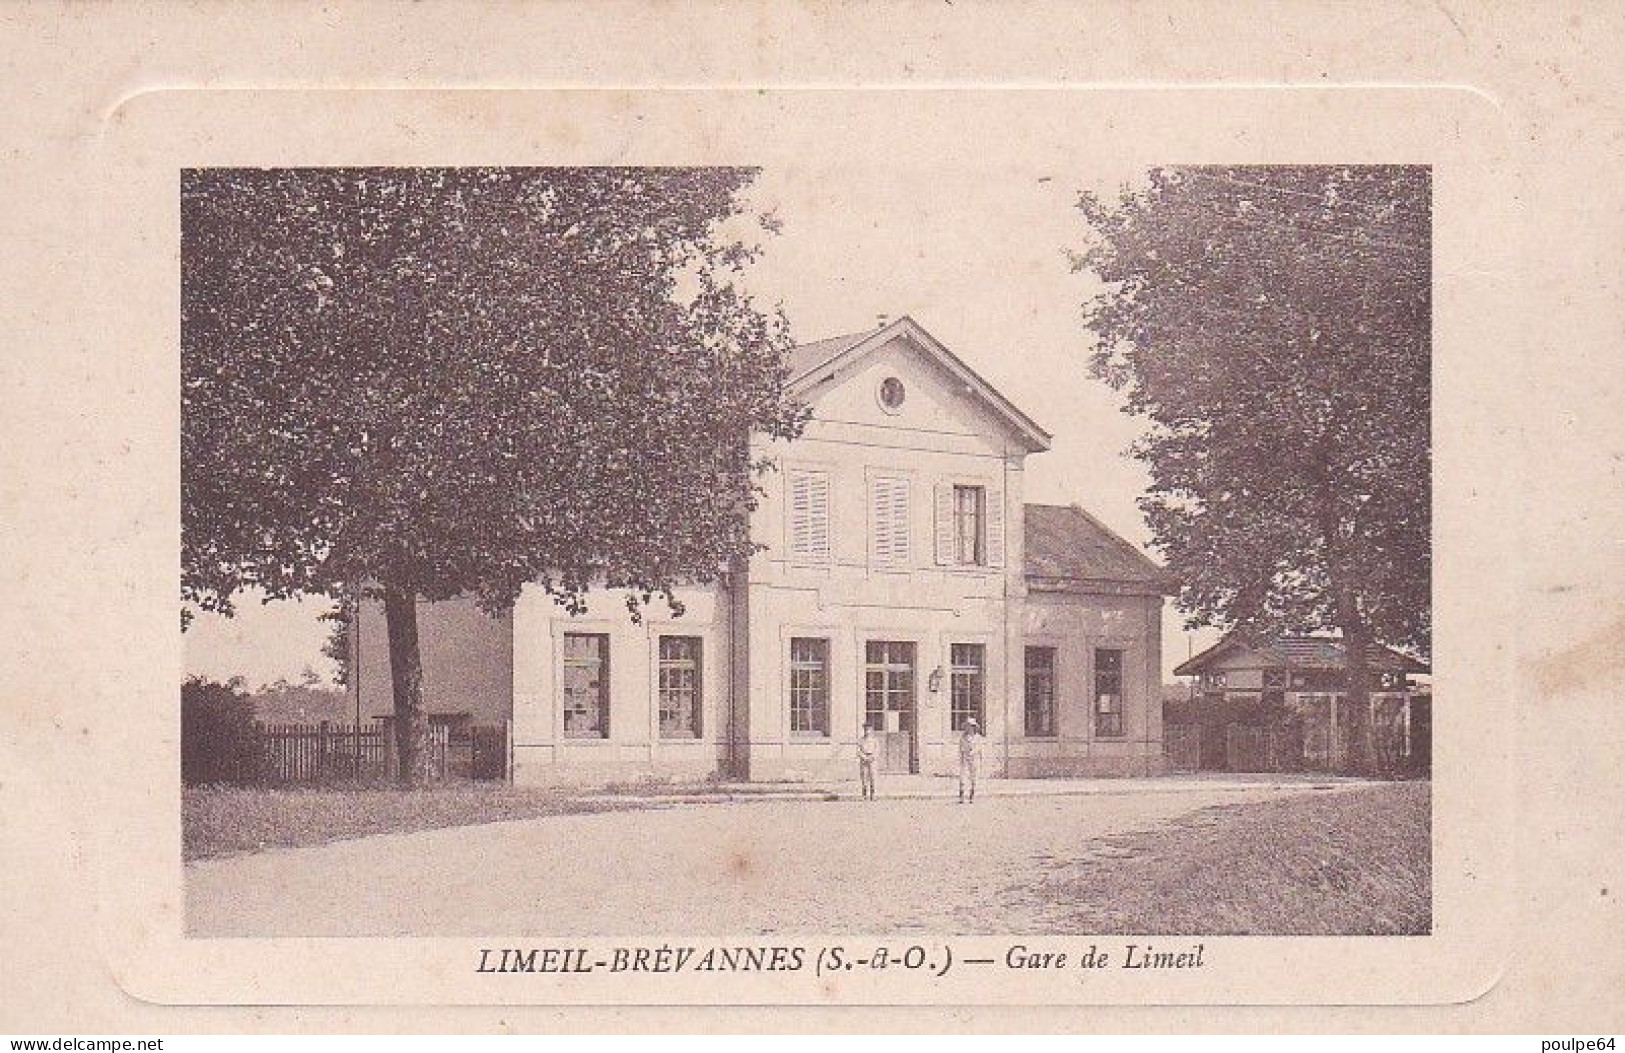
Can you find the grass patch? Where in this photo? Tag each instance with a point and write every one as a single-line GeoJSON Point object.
{"type": "Point", "coordinates": [1354, 862]}
{"type": "Point", "coordinates": [223, 821]}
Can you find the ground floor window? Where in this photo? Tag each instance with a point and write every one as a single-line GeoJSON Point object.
{"type": "Point", "coordinates": [1108, 692]}
{"type": "Point", "coordinates": [809, 686]}
{"type": "Point", "coordinates": [1040, 692]}
{"type": "Point", "coordinates": [680, 705]}
{"type": "Point", "coordinates": [967, 668]}
{"type": "Point", "coordinates": [586, 685]}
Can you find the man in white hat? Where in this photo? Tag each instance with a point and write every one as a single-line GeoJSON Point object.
{"type": "Point", "coordinates": [970, 756]}
{"type": "Point", "coordinates": [868, 753]}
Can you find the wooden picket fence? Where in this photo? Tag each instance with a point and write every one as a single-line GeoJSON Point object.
{"type": "Point", "coordinates": [1262, 747]}
{"type": "Point", "coordinates": [314, 754]}
{"type": "Point", "coordinates": [1286, 747]}
{"type": "Point", "coordinates": [1183, 745]}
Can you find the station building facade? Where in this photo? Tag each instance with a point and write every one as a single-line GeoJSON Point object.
{"type": "Point", "coordinates": [903, 582]}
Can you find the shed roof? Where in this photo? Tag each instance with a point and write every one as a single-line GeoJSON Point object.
{"type": "Point", "coordinates": [1301, 652]}
{"type": "Point", "coordinates": [1067, 546]}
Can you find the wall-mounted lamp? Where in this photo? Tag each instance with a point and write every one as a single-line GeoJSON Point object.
{"type": "Point", "coordinates": [933, 683]}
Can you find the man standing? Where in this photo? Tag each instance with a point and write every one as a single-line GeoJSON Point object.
{"type": "Point", "coordinates": [868, 750]}
{"type": "Point", "coordinates": [970, 756]}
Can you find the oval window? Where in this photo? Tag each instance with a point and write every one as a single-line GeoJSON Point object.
{"type": "Point", "coordinates": [892, 394]}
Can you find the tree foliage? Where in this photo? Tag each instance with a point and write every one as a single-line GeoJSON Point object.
{"type": "Point", "coordinates": [1273, 325]}
{"type": "Point", "coordinates": [339, 619]}
{"type": "Point", "coordinates": [439, 382]}
{"type": "Point", "coordinates": [464, 380]}
{"type": "Point", "coordinates": [218, 743]}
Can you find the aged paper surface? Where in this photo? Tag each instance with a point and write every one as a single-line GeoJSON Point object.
{"type": "Point", "coordinates": [1525, 892]}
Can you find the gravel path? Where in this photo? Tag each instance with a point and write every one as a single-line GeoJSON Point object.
{"type": "Point", "coordinates": [738, 869]}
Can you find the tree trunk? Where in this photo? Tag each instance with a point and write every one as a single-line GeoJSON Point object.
{"type": "Point", "coordinates": [1350, 622]}
{"type": "Point", "coordinates": [1356, 647]}
{"type": "Point", "coordinates": [406, 674]}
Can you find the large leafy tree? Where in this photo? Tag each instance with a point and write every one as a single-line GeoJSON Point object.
{"type": "Point", "coordinates": [1273, 325]}
{"type": "Point", "coordinates": [426, 383]}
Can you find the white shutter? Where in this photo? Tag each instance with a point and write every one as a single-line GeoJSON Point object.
{"type": "Point", "coordinates": [945, 525]}
{"type": "Point", "coordinates": [901, 548]}
{"type": "Point", "coordinates": [796, 505]}
{"type": "Point", "coordinates": [995, 528]}
{"type": "Point", "coordinates": [818, 546]}
{"type": "Point", "coordinates": [809, 517]}
{"type": "Point", "coordinates": [890, 517]}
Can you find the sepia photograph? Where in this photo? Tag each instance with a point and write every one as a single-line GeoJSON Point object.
{"type": "Point", "coordinates": [731, 552]}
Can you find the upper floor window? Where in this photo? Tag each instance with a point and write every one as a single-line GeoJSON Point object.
{"type": "Point", "coordinates": [1108, 692]}
{"type": "Point", "coordinates": [808, 506]}
{"type": "Point", "coordinates": [970, 525]}
{"type": "Point", "coordinates": [680, 687]}
{"type": "Point", "coordinates": [890, 520]}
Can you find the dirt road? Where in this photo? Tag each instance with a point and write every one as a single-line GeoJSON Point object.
{"type": "Point", "coordinates": [893, 866]}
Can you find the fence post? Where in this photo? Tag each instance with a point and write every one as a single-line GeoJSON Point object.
{"type": "Point", "coordinates": [507, 750]}
{"type": "Point", "coordinates": [321, 752]}
{"type": "Point", "coordinates": [259, 755]}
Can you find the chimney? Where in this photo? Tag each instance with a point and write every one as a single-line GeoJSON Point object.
{"type": "Point", "coordinates": [882, 321]}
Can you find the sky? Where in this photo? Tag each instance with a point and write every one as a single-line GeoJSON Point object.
{"type": "Point", "coordinates": [977, 254]}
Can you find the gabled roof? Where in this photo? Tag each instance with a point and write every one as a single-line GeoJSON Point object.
{"type": "Point", "coordinates": [1301, 652]}
{"type": "Point", "coordinates": [1066, 546]}
{"type": "Point", "coordinates": [810, 364]}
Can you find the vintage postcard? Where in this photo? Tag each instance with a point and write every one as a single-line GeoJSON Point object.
{"type": "Point", "coordinates": [975, 545]}
{"type": "Point", "coordinates": [697, 557]}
